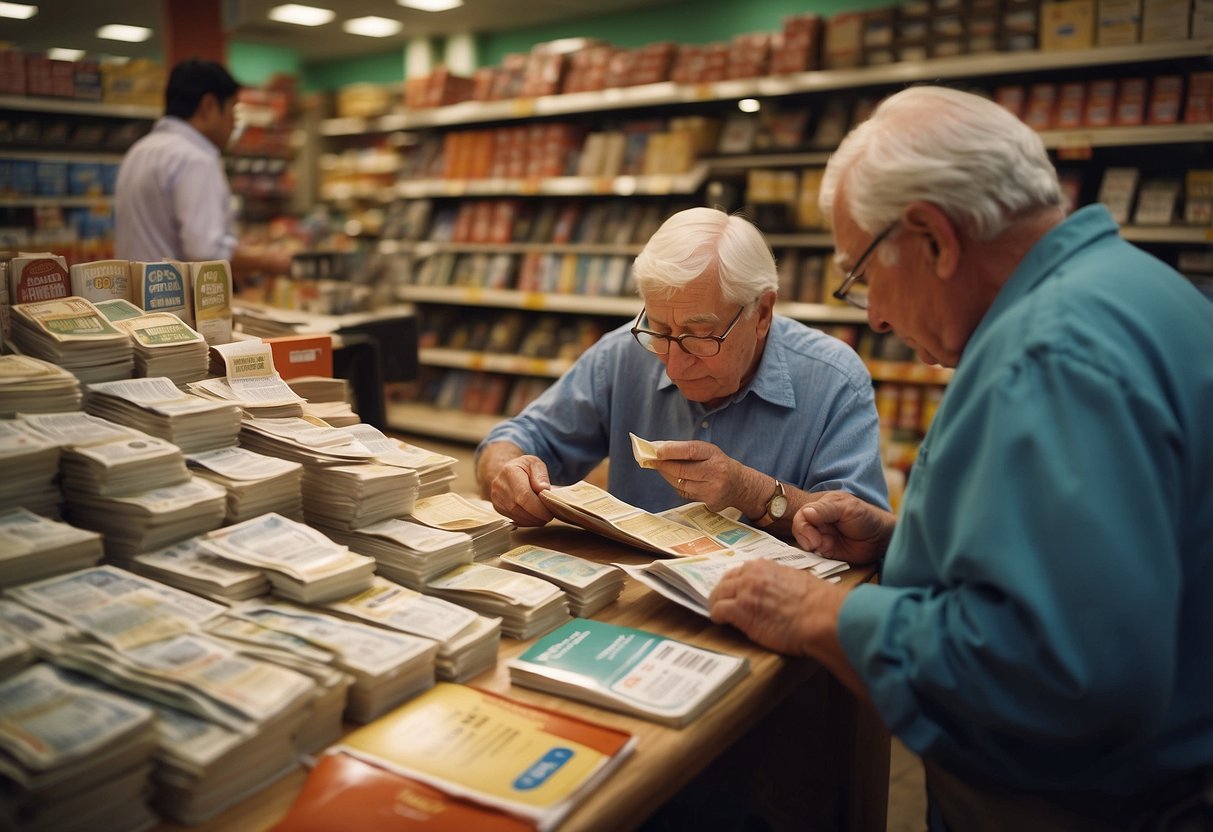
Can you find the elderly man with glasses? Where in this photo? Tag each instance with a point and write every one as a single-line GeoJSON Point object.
{"type": "Point", "coordinates": [756, 410]}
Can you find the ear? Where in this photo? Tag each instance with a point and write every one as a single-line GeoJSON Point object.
{"type": "Point", "coordinates": [937, 236]}
{"type": "Point", "coordinates": [764, 314]}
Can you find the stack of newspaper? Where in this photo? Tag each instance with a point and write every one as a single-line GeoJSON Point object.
{"type": "Point", "coordinates": [407, 553]}
{"type": "Point", "coordinates": [187, 566]}
{"type": "Point", "coordinates": [165, 346]}
{"type": "Point", "coordinates": [15, 652]}
{"type": "Point", "coordinates": [326, 398]}
{"type": "Point", "coordinates": [251, 382]}
{"type": "Point", "coordinates": [350, 496]}
{"type": "Point", "coordinates": [467, 642]}
{"type": "Point", "coordinates": [30, 462]}
{"type": "Point", "coordinates": [435, 471]}
{"type": "Point", "coordinates": [301, 563]}
{"type": "Point", "coordinates": [527, 606]}
{"type": "Point", "coordinates": [79, 757]}
{"type": "Point", "coordinates": [388, 667]}
{"type": "Point", "coordinates": [255, 483]}
{"type": "Point", "coordinates": [32, 547]}
{"type": "Point", "coordinates": [150, 519]}
{"type": "Point", "coordinates": [590, 586]}
{"type": "Point", "coordinates": [302, 439]}
{"type": "Point", "coordinates": [71, 332]}
{"type": "Point", "coordinates": [31, 385]}
{"type": "Point", "coordinates": [158, 407]}
{"type": "Point", "coordinates": [122, 466]}
{"type": "Point", "coordinates": [454, 513]}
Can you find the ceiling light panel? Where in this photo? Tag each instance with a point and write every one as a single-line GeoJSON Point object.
{"type": "Point", "coordinates": [373, 27]}
{"type": "Point", "coordinates": [60, 54]}
{"type": "Point", "coordinates": [431, 5]}
{"type": "Point", "coordinates": [301, 15]}
{"type": "Point", "coordinates": [17, 11]}
{"type": "Point", "coordinates": [119, 31]}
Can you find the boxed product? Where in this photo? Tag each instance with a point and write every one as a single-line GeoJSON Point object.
{"type": "Point", "coordinates": [1119, 22]}
{"type": "Point", "coordinates": [137, 82]}
{"type": "Point", "coordinates": [1202, 18]}
{"type": "Point", "coordinates": [1199, 107]}
{"type": "Point", "coordinates": [51, 178]}
{"type": "Point", "coordinates": [843, 41]}
{"type": "Point", "coordinates": [1163, 21]}
{"type": "Point", "coordinates": [1166, 95]}
{"type": "Point", "coordinates": [1067, 24]}
{"type": "Point", "coordinates": [86, 81]}
{"type": "Point", "coordinates": [1013, 98]}
{"type": "Point", "coordinates": [1198, 197]}
{"type": "Point", "coordinates": [12, 72]}
{"type": "Point", "coordinates": [368, 100]}
{"type": "Point", "coordinates": [84, 179]}
{"type": "Point", "coordinates": [302, 355]}
{"type": "Point", "coordinates": [1041, 107]}
{"type": "Point", "coordinates": [1131, 102]}
{"type": "Point", "coordinates": [1020, 25]}
{"type": "Point", "coordinates": [1101, 103]}
{"type": "Point", "coordinates": [1071, 99]}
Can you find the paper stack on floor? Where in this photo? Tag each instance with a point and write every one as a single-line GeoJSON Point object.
{"type": "Point", "coordinates": [590, 586]}
{"type": "Point", "coordinates": [351, 496]}
{"type": "Point", "coordinates": [527, 606]}
{"type": "Point", "coordinates": [454, 513]}
{"type": "Point", "coordinates": [31, 385]}
{"type": "Point", "coordinates": [407, 552]}
{"type": "Point", "coordinates": [71, 332]}
{"type": "Point", "coordinates": [33, 547]}
{"type": "Point", "coordinates": [30, 462]}
{"type": "Point", "coordinates": [156, 406]}
{"type": "Point", "coordinates": [256, 484]}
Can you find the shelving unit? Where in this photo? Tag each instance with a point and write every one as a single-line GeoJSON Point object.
{"type": "Point", "coordinates": [610, 106]}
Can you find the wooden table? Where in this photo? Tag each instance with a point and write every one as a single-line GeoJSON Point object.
{"type": "Point", "coordinates": [788, 743]}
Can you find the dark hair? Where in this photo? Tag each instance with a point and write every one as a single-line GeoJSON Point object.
{"type": "Point", "coordinates": [192, 79]}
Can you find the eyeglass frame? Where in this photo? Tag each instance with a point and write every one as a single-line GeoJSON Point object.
{"type": "Point", "coordinates": [855, 275]}
{"type": "Point", "coordinates": [637, 330]}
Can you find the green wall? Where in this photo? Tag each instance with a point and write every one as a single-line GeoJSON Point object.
{"type": "Point", "coordinates": [253, 64]}
{"type": "Point", "coordinates": [380, 68]}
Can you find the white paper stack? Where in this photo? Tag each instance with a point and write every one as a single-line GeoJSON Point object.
{"type": "Point", "coordinates": [388, 667]}
{"type": "Point", "coordinates": [79, 757]}
{"type": "Point", "coordinates": [301, 563]}
{"type": "Point", "coordinates": [158, 407]}
{"type": "Point", "coordinates": [256, 484]}
{"type": "Point", "coordinates": [450, 512]}
{"type": "Point", "coordinates": [187, 566]}
{"type": "Point", "coordinates": [406, 552]}
{"type": "Point", "coordinates": [165, 346]}
{"type": "Point", "coordinates": [251, 382]}
{"type": "Point", "coordinates": [30, 462]}
{"type": "Point", "coordinates": [32, 547]}
{"type": "Point", "coordinates": [350, 496]}
{"type": "Point", "coordinates": [77, 429]}
{"type": "Point", "coordinates": [528, 606]}
{"type": "Point", "coordinates": [590, 586]}
{"type": "Point", "coordinates": [71, 332]}
{"type": "Point", "coordinates": [303, 439]}
{"type": "Point", "coordinates": [15, 652]}
{"type": "Point", "coordinates": [124, 466]}
{"type": "Point", "coordinates": [467, 642]}
{"type": "Point", "coordinates": [31, 385]}
{"type": "Point", "coordinates": [328, 399]}
{"type": "Point", "coordinates": [152, 519]}
{"type": "Point", "coordinates": [435, 471]}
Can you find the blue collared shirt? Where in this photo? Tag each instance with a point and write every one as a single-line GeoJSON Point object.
{"type": "Point", "coordinates": [807, 418]}
{"type": "Point", "coordinates": [172, 198]}
{"type": "Point", "coordinates": [1045, 614]}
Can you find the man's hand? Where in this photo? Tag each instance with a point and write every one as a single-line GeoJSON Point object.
{"type": "Point", "coordinates": [701, 471]}
{"type": "Point", "coordinates": [512, 480]}
{"type": "Point", "coordinates": [842, 526]}
{"type": "Point", "coordinates": [774, 605]}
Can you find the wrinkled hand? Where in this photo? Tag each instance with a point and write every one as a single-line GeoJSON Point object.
{"type": "Point", "coordinates": [698, 471]}
{"type": "Point", "coordinates": [842, 526]}
{"type": "Point", "coordinates": [515, 489]}
{"type": "Point", "coordinates": [771, 604]}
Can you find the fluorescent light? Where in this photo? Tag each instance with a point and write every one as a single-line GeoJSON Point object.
{"type": "Point", "coordinates": [373, 27]}
{"type": "Point", "coordinates": [60, 54]}
{"type": "Point", "coordinates": [130, 34]}
{"type": "Point", "coordinates": [301, 15]}
{"type": "Point", "coordinates": [17, 11]}
{"type": "Point", "coordinates": [431, 5]}
{"type": "Point", "coordinates": [749, 105]}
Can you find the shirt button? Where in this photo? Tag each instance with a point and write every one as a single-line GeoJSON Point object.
{"type": "Point", "coordinates": [703, 424]}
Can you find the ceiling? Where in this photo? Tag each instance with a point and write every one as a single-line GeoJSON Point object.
{"type": "Point", "coordinates": [73, 23]}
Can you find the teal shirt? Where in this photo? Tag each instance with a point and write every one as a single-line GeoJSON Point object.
{"type": "Point", "coordinates": [1045, 618]}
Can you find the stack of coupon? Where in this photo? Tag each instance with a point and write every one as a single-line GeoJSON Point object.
{"type": "Point", "coordinates": [251, 382]}
{"type": "Point", "coordinates": [327, 399]}
{"type": "Point", "coordinates": [406, 552]}
{"type": "Point", "coordinates": [166, 346]}
{"type": "Point", "coordinates": [388, 667]}
{"type": "Point", "coordinates": [302, 439]}
{"type": "Point", "coordinates": [454, 513]}
{"type": "Point", "coordinates": [71, 332]}
{"type": "Point", "coordinates": [527, 606]}
{"type": "Point", "coordinates": [156, 406]}
{"type": "Point", "coordinates": [122, 466]}
{"type": "Point", "coordinates": [31, 385]}
{"type": "Point", "coordinates": [31, 464]}
{"type": "Point", "coordinates": [79, 756]}
{"type": "Point", "coordinates": [186, 565]}
{"type": "Point", "coordinates": [435, 471]}
{"type": "Point", "coordinates": [467, 642]}
{"type": "Point", "coordinates": [32, 547]}
{"type": "Point", "coordinates": [590, 586]}
{"type": "Point", "coordinates": [255, 483]}
{"type": "Point", "coordinates": [350, 496]}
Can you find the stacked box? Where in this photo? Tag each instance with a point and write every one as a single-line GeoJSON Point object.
{"type": "Point", "coordinates": [84, 179]}
{"type": "Point", "coordinates": [913, 31]}
{"type": "Point", "coordinates": [138, 82]}
{"type": "Point", "coordinates": [51, 179]}
{"type": "Point", "coordinates": [879, 32]}
{"type": "Point", "coordinates": [652, 62]}
{"type": "Point", "coordinates": [365, 100]}
{"type": "Point", "coordinates": [748, 55]}
{"type": "Point", "coordinates": [12, 72]}
{"type": "Point", "coordinates": [507, 83]}
{"type": "Point", "coordinates": [843, 46]}
{"type": "Point", "coordinates": [798, 47]}
{"type": "Point", "coordinates": [1165, 21]}
{"type": "Point", "coordinates": [86, 81]}
{"type": "Point", "coordinates": [544, 73]}
{"type": "Point", "coordinates": [1119, 22]}
{"type": "Point", "coordinates": [443, 88]}
{"type": "Point", "coordinates": [1020, 25]}
{"type": "Point", "coordinates": [1067, 24]}
{"type": "Point", "coordinates": [1199, 106]}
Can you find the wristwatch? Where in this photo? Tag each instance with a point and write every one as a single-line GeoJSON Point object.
{"type": "Point", "coordinates": [777, 506]}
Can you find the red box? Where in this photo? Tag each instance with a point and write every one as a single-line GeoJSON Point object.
{"type": "Point", "coordinates": [302, 355]}
{"type": "Point", "coordinates": [1199, 108]}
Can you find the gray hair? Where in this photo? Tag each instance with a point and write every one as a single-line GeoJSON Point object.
{"type": "Point", "coordinates": [692, 241]}
{"type": "Point", "coordinates": [965, 154]}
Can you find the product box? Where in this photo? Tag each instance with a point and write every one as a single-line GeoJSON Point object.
{"type": "Point", "coordinates": [1199, 107]}
{"type": "Point", "coordinates": [37, 277]}
{"type": "Point", "coordinates": [51, 178]}
{"type": "Point", "coordinates": [1069, 24]}
{"type": "Point", "coordinates": [102, 280]}
{"type": "Point", "coordinates": [1041, 107]}
{"type": "Point", "coordinates": [86, 81]}
{"type": "Point", "coordinates": [1202, 18]}
{"type": "Point", "coordinates": [210, 290]}
{"type": "Point", "coordinates": [1163, 21]}
{"type": "Point", "coordinates": [1013, 98]}
{"type": "Point", "coordinates": [1131, 102]}
{"type": "Point", "coordinates": [1166, 95]}
{"type": "Point", "coordinates": [139, 82]}
{"type": "Point", "coordinates": [84, 179]}
{"type": "Point", "coordinates": [843, 41]}
{"type": "Point", "coordinates": [161, 287]}
{"type": "Point", "coordinates": [12, 72]}
{"type": "Point", "coordinates": [1119, 22]}
{"type": "Point", "coordinates": [1101, 103]}
{"type": "Point", "coordinates": [1020, 27]}
{"type": "Point", "coordinates": [302, 355]}
{"type": "Point", "coordinates": [1071, 99]}
{"type": "Point", "coordinates": [1116, 191]}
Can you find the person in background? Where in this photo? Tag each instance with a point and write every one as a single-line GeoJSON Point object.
{"type": "Point", "coordinates": [1041, 631]}
{"type": "Point", "coordinates": [760, 409]}
{"type": "Point", "coordinates": [172, 198]}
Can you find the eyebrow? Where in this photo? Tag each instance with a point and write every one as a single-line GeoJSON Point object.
{"type": "Point", "coordinates": [697, 318]}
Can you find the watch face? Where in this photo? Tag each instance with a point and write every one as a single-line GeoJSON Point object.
{"type": "Point", "coordinates": [778, 505]}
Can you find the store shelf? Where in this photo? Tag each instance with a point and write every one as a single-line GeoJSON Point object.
{"type": "Point", "coordinates": [512, 299]}
{"type": "Point", "coordinates": [50, 155]}
{"type": "Point", "coordinates": [440, 423]}
{"type": "Point", "coordinates": [908, 372]}
{"type": "Point", "coordinates": [99, 202]}
{"type": "Point", "coordinates": [680, 183]}
{"type": "Point", "coordinates": [1167, 234]}
{"type": "Point", "coordinates": [668, 93]}
{"type": "Point", "coordinates": [724, 164]}
{"type": "Point", "coordinates": [426, 248]}
{"type": "Point", "coordinates": [515, 365]}
{"type": "Point", "coordinates": [1147, 134]}
{"type": "Point", "coordinates": [72, 107]}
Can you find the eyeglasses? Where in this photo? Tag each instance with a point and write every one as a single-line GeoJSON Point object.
{"type": "Point", "coordinates": [702, 346]}
{"type": "Point", "coordinates": [853, 289]}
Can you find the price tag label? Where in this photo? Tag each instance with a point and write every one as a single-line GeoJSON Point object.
{"type": "Point", "coordinates": [523, 107]}
{"type": "Point", "coordinates": [534, 300]}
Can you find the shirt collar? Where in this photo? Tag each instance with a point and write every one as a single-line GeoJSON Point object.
{"type": "Point", "coordinates": [181, 127]}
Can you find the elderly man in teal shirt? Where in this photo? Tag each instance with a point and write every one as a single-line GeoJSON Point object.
{"type": "Point", "coordinates": [1041, 634]}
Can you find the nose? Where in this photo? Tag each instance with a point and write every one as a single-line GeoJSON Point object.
{"type": "Point", "coordinates": [676, 359]}
{"type": "Point", "coordinates": [877, 323]}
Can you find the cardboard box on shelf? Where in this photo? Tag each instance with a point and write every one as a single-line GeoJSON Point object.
{"type": "Point", "coordinates": [1166, 96]}
{"type": "Point", "coordinates": [1199, 106]}
{"type": "Point", "coordinates": [1068, 24]}
{"type": "Point", "coordinates": [1119, 22]}
{"type": "Point", "coordinates": [1163, 21]}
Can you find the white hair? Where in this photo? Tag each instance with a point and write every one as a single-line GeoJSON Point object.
{"type": "Point", "coordinates": [692, 241]}
{"type": "Point", "coordinates": [965, 154]}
